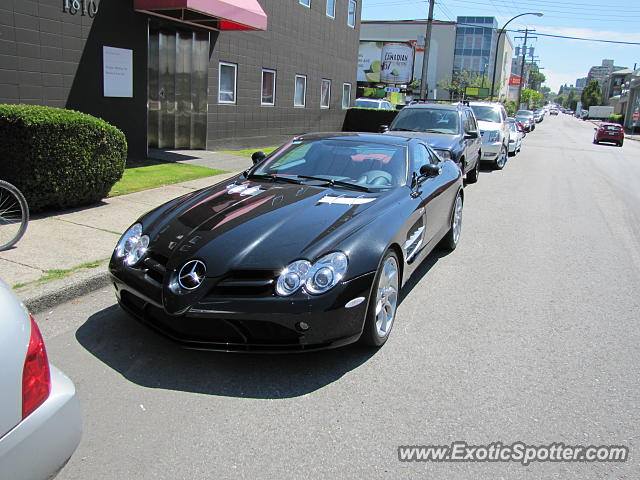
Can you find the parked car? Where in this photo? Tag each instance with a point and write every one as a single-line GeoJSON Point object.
{"type": "Point", "coordinates": [40, 424]}
{"type": "Point", "coordinates": [516, 134]}
{"type": "Point", "coordinates": [374, 103]}
{"type": "Point", "coordinates": [306, 250]}
{"type": "Point", "coordinates": [527, 119]}
{"type": "Point", "coordinates": [495, 132]}
{"type": "Point", "coordinates": [553, 111]}
{"type": "Point", "coordinates": [538, 115]}
{"type": "Point", "coordinates": [609, 132]}
{"type": "Point", "coordinates": [452, 131]}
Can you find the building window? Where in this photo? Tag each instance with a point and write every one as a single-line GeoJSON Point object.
{"type": "Point", "coordinates": [227, 82]}
{"type": "Point", "coordinates": [325, 93]}
{"type": "Point", "coordinates": [351, 15]}
{"type": "Point", "coordinates": [306, 3]}
{"type": "Point", "coordinates": [268, 87]}
{"type": "Point", "coordinates": [300, 91]}
{"type": "Point", "coordinates": [331, 8]}
{"type": "Point", "coordinates": [346, 95]}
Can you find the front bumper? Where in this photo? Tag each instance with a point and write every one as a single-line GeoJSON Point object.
{"type": "Point", "coordinates": [267, 323]}
{"type": "Point", "coordinates": [41, 444]}
{"type": "Point", "coordinates": [490, 151]}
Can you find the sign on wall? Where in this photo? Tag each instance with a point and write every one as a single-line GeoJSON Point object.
{"type": "Point", "coordinates": [385, 62]}
{"type": "Point", "coordinates": [117, 72]}
{"type": "Point", "coordinates": [515, 80]}
{"type": "Point", "coordinates": [85, 7]}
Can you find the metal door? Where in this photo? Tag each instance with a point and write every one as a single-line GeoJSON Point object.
{"type": "Point", "coordinates": [177, 103]}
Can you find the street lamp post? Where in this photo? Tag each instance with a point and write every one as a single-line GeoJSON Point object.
{"type": "Point", "coordinates": [495, 60]}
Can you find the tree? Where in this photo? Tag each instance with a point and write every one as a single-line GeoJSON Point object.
{"type": "Point", "coordinates": [591, 94]}
{"type": "Point", "coordinates": [536, 79]}
{"type": "Point", "coordinates": [459, 81]}
{"type": "Point", "coordinates": [531, 97]}
{"type": "Point", "coordinates": [572, 101]}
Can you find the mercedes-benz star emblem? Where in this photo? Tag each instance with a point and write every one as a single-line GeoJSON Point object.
{"type": "Point", "coordinates": [191, 275]}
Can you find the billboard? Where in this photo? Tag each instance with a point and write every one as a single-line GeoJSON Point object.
{"type": "Point", "coordinates": [385, 62]}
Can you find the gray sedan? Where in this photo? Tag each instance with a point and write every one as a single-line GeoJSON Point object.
{"type": "Point", "coordinates": [40, 424]}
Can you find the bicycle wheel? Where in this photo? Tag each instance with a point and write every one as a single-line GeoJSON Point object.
{"type": "Point", "coordinates": [14, 215]}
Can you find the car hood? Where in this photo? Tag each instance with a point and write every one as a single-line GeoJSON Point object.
{"type": "Point", "coordinates": [440, 141]}
{"type": "Point", "coordinates": [245, 224]}
{"type": "Point", "coordinates": [484, 126]}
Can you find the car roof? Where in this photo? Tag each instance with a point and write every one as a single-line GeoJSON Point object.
{"type": "Point", "coordinates": [438, 106]}
{"type": "Point", "coordinates": [360, 136]}
{"type": "Point", "coordinates": [488, 104]}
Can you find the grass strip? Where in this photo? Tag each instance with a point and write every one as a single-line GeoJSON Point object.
{"type": "Point", "coordinates": [144, 177]}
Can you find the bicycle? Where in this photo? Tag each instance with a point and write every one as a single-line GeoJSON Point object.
{"type": "Point", "coordinates": [14, 215]}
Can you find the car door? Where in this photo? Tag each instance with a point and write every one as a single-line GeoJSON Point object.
{"type": "Point", "coordinates": [435, 200]}
{"type": "Point", "coordinates": [472, 145]}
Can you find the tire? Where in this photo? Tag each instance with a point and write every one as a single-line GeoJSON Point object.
{"type": "Point", "coordinates": [501, 160]}
{"type": "Point", "coordinates": [14, 215]}
{"type": "Point", "coordinates": [452, 238]}
{"type": "Point", "coordinates": [383, 303]}
{"type": "Point", "coordinates": [472, 175]}
{"type": "Point", "coordinates": [621, 142]}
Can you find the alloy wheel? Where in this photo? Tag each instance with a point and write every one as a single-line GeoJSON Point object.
{"type": "Point", "coordinates": [387, 296]}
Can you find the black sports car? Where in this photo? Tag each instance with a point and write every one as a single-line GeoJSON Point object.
{"type": "Point", "coordinates": [306, 250]}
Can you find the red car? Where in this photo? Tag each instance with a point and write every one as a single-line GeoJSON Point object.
{"type": "Point", "coordinates": [609, 132]}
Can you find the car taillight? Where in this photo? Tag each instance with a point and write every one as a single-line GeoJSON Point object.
{"type": "Point", "coordinates": [36, 377]}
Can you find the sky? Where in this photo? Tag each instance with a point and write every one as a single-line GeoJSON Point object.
{"type": "Point", "coordinates": [562, 60]}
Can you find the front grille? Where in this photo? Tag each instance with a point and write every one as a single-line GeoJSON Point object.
{"type": "Point", "coordinates": [245, 283]}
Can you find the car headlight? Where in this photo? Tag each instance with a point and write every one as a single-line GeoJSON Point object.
{"type": "Point", "coordinates": [493, 136]}
{"type": "Point", "coordinates": [446, 154]}
{"type": "Point", "coordinates": [316, 278]}
{"type": "Point", "coordinates": [132, 245]}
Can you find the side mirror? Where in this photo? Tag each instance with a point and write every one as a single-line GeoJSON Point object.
{"type": "Point", "coordinates": [595, 128]}
{"type": "Point", "coordinates": [430, 170]}
{"type": "Point", "coordinates": [383, 128]}
{"type": "Point", "coordinates": [257, 157]}
{"type": "Point", "coordinates": [470, 135]}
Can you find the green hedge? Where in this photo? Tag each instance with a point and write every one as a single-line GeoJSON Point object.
{"type": "Point", "coordinates": [616, 118]}
{"type": "Point", "coordinates": [367, 119]}
{"type": "Point", "coordinates": [59, 158]}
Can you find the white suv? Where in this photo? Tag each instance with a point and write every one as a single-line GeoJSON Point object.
{"type": "Point", "coordinates": [494, 130]}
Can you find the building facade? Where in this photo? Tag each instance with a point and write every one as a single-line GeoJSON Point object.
{"type": "Point", "coordinates": [172, 76]}
{"type": "Point", "coordinates": [466, 45]}
{"type": "Point", "coordinates": [600, 72]}
{"type": "Point", "coordinates": [441, 50]}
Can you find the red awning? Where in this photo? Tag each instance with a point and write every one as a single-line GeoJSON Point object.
{"type": "Point", "coordinates": [212, 14]}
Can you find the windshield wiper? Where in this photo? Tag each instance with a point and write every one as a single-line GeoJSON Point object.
{"type": "Point", "coordinates": [340, 183]}
{"type": "Point", "coordinates": [274, 177]}
{"type": "Point", "coordinates": [403, 130]}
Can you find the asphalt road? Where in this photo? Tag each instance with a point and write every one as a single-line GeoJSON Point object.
{"type": "Point", "coordinates": [527, 332]}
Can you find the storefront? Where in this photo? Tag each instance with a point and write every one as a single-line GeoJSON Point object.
{"type": "Point", "coordinates": [185, 74]}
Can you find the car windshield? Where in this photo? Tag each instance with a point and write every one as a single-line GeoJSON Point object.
{"type": "Point", "coordinates": [367, 104]}
{"type": "Point", "coordinates": [486, 113]}
{"type": "Point", "coordinates": [524, 113]}
{"type": "Point", "coordinates": [426, 120]}
{"type": "Point", "coordinates": [339, 162]}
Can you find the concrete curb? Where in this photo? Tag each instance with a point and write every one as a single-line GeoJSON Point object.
{"type": "Point", "coordinates": [60, 291]}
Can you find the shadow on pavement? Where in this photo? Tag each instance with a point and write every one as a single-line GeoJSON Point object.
{"type": "Point", "coordinates": [149, 360]}
{"type": "Point", "coordinates": [421, 271]}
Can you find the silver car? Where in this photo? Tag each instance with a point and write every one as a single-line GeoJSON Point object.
{"type": "Point", "coordinates": [492, 120]}
{"type": "Point", "coordinates": [40, 423]}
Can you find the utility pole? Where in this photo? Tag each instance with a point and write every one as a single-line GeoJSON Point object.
{"type": "Point", "coordinates": [524, 57]}
{"type": "Point", "coordinates": [425, 58]}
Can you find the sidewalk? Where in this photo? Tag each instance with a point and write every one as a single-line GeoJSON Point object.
{"type": "Point", "coordinates": [69, 251]}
